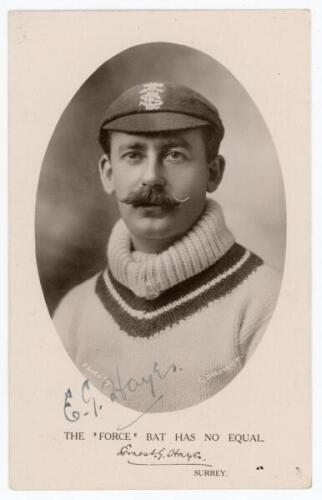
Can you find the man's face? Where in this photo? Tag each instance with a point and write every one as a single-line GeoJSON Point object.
{"type": "Point", "coordinates": [174, 163]}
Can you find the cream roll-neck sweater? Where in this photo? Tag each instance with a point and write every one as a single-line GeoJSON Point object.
{"type": "Point", "coordinates": [161, 332]}
{"type": "Point", "coordinates": [148, 275]}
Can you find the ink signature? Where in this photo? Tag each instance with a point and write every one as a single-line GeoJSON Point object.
{"type": "Point", "coordinates": [119, 392]}
{"type": "Point", "coordinates": [93, 407]}
{"type": "Point", "coordinates": [161, 455]}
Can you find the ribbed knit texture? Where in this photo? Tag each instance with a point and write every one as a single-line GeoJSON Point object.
{"type": "Point", "coordinates": [148, 275]}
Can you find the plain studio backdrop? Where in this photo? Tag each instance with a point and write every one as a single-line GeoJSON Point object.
{"type": "Point", "coordinates": [74, 216]}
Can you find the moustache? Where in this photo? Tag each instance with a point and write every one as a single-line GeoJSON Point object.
{"type": "Point", "coordinates": [152, 195]}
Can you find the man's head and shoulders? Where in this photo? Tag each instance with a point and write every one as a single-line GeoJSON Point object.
{"type": "Point", "coordinates": [171, 245]}
{"type": "Point", "coordinates": [161, 158]}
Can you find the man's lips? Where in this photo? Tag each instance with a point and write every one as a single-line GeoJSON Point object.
{"type": "Point", "coordinates": [145, 204]}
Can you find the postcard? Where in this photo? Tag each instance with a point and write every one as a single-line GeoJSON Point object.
{"type": "Point", "coordinates": [159, 273]}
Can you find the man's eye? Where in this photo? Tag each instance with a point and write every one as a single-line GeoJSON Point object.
{"type": "Point", "coordinates": [174, 156]}
{"type": "Point", "coordinates": [132, 156]}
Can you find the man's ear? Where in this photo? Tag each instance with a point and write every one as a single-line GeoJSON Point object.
{"type": "Point", "coordinates": [216, 172]}
{"type": "Point", "coordinates": [106, 174]}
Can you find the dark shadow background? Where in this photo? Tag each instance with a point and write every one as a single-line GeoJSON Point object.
{"type": "Point", "coordinates": [73, 214]}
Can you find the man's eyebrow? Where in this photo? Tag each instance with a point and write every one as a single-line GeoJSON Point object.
{"type": "Point", "coordinates": [132, 145]}
{"type": "Point", "coordinates": [175, 142]}
{"type": "Point", "coordinates": [166, 143]}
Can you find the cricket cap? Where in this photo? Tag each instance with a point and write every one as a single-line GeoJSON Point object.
{"type": "Point", "coordinates": [160, 106]}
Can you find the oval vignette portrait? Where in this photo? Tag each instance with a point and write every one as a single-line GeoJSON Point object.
{"type": "Point", "coordinates": [160, 227]}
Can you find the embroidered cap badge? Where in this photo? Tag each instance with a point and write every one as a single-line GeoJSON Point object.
{"type": "Point", "coordinates": [150, 96]}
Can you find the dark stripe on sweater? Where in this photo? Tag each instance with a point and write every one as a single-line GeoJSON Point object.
{"type": "Point", "coordinates": [232, 257]}
{"type": "Point", "coordinates": [141, 327]}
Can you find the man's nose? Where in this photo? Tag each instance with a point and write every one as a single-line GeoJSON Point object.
{"type": "Point", "coordinates": [152, 172]}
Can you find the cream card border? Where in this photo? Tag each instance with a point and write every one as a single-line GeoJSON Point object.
{"type": "Point", "coordinates": [40, 369]}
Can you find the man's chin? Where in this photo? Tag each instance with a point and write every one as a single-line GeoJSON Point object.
{"type": "Point", "coordinates": [153, 223]}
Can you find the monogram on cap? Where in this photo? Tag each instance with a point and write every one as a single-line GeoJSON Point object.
{"type": "Point", "coordinates": [150, 96]}
{"type": "Point", "coordinates": [160, 106]}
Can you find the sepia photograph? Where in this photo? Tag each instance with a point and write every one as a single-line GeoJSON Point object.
{"type": "Point", "coordinates": [144, 276]}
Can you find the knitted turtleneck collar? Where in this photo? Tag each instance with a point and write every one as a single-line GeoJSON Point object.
{"type": "Point", "coordinates": [148, 275]}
